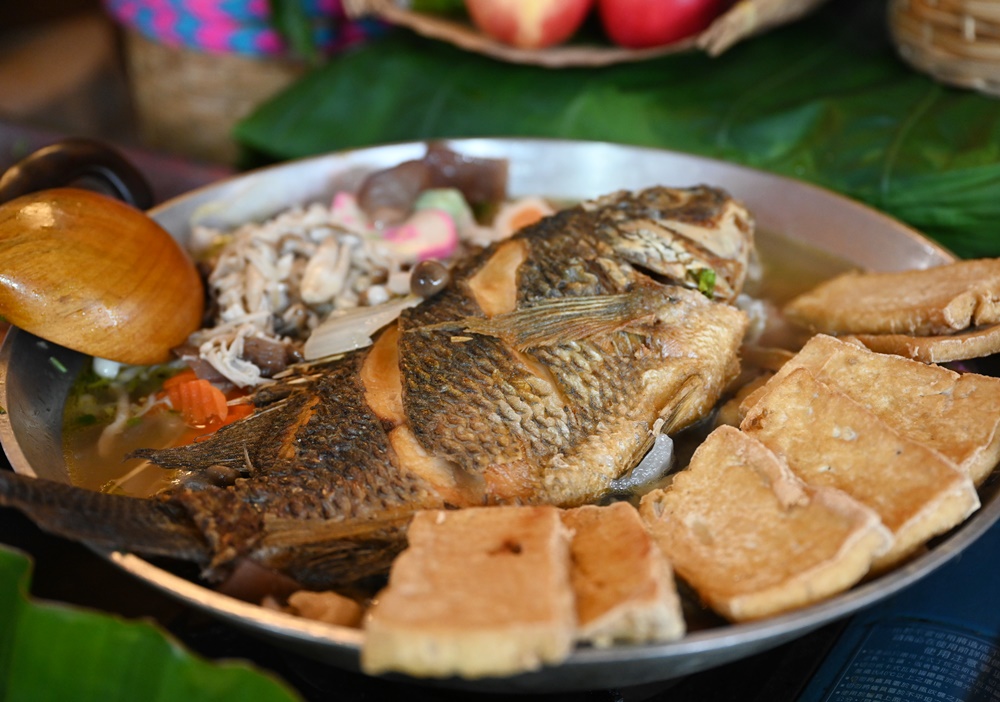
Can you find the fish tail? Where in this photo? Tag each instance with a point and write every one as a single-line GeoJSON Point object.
{"type": "Point", "coordinates": [104, 520]}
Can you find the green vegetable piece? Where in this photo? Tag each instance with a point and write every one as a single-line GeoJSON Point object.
{"type": "Point", "coordinates": [86, 420]}
{"type": "Point", "coordinates": [449, 200]}
{"type": "Point", "coordinates": [706, 281]}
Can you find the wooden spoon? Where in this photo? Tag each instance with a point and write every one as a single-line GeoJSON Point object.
{"type": "Point", "coordinates": [91, 273]}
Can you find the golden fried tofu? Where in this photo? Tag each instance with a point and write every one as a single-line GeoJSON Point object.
{"type": "Point", "coordinates": [933, 301]}
{"type": "Point", "coordinates": [955, 414]}
{"type": "Point", "coordinates": [829, 439]}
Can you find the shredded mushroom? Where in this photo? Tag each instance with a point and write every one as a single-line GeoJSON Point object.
{"type": "Point", "coordinates": [279, 279]}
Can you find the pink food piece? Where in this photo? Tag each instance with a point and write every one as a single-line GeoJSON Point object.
{"type": "Point", "coordinates": [426, 234]}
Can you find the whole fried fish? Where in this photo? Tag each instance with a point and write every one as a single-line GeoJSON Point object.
{"type": "Point", "coordinates": [539, 375]}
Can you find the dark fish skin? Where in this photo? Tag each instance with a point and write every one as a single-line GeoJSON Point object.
{"type": "Point", "coordinates": [155, 528]}
{"type": "Point", "coordinates": [548, 402]}
{"type": "Point", "coordinates": [312, 466]}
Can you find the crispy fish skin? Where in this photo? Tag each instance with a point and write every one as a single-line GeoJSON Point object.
{"type": "Point", "coordinates": [312, 468]}
{"type": "Point", "coordinates": [560, 436]}
{"type": "Point", "coordinates": [594, 336]}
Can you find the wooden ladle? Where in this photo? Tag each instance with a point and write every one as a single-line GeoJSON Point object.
{"type": "Point", "coordinates": [96, 275]}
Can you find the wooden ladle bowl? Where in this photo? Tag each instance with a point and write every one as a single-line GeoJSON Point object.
{"type": "Point", "coordinates": [93, 274]}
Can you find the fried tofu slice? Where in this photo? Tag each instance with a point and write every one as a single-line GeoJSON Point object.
{"type": "Point", "coordinates": [329, 607]}
{"type": "Point", "coordinates": [932, 301]}
{"type": "Point", "coordinates": [955, 414]}
{"type": "Point", "coordinates": [623, 584]}
{"type": "Point", "coordinates": [732, 410]}
{"type": "Point", "coordinates": [830, 440]}
{"type": "Point", "coordinates": [483, 591]}
{"type": "Point", "coordinates": [754, 540]}
{"type": "Point", "coordinates": [960, 346]}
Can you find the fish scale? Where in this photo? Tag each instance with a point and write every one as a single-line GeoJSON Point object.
{"type": "Point", "coordinates": [467, 397]}
{"type": "Point", "coordinates": [548, 402]}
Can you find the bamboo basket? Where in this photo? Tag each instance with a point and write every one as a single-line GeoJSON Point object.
{"type": "Point", "coordinates": [745, 18]}
{"type": "Point", "coordinates": [955, 41]}
{"type": "Point", "coordinates": [187, 102]}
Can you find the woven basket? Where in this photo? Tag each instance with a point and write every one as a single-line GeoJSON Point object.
{"type": "Point", "coordinates": [955, 41]}
{"type": "Point", "coordinates": [744, 19]}
{"type": "Point", "coordinates": [187, 101]}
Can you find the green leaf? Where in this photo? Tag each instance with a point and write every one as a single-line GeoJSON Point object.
{"type": "Point", "coordinates": [55, 652]}
{"type": "Point", "coordinates": [439, 7]}
{"type": "Point", "coordinates": [292, 22]}
{"type": "Point", "coordinates": [825, 100]}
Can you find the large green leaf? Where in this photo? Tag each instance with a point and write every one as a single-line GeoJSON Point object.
{"type": "Point", "coordinates": [59, 653]}
{"type": "Point", "coordinates": [824, 100]}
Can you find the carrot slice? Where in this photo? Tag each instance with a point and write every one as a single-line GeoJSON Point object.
{"type": "Point", "coordinates": [184, 376]}
{"type": "Point", "coordinates": [198, 401]}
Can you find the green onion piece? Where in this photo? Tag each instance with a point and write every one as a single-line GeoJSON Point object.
{"type": "Point", "coordinates": [706, 281]}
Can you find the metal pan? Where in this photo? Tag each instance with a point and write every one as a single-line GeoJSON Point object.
{"type": "Point", "coordinates": [33, 389]}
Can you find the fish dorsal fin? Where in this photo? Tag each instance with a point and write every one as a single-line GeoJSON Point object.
{"type": "Point", "coordinates": [558, 320]}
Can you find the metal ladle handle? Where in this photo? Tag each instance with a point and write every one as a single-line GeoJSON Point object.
{"type": "Point", "coordinates": [76, 158]}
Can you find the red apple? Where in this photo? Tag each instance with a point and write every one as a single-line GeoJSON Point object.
{"type": "Point", "coordinates": [529, 24]}
{"type": "Point", "coordinates": [638, 24]}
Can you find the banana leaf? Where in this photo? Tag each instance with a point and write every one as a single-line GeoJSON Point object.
{"type": "Point", "coordinates": [58, 653]}
{"type": "Point", "coordinates": [825, 100]}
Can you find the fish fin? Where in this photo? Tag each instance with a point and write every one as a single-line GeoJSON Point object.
{"type": "Point", "coordinates": [677, 414]}
{"type": "Point", "coordinates": [316, 551]}
{"type": "Point", "coordinates": [232, 445]}
{"type": "Point", "coordinates": [558, 320]}
{"type": "Point", "coordinates": [108, 521]}
{"type": "Point", "coordinates": [642, 449]}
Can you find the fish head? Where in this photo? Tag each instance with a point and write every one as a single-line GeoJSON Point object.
{"type": "Point", "coordinates": [698, 237]}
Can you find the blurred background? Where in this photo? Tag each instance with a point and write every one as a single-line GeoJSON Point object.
{"type": "Point", "coordinates": [62, 68]}
{"type": "Point", "coordinates": [75, 67]}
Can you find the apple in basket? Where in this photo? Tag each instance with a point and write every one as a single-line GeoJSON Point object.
{"type": "Point", "coordinates": [529, 24]}
{"type": "Point", "coordinates": [639, 24]}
